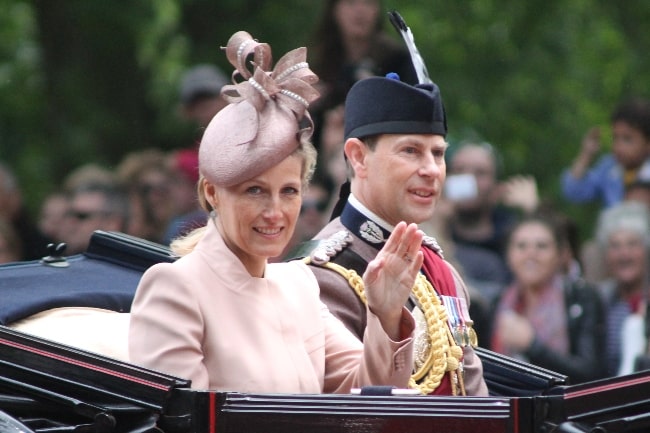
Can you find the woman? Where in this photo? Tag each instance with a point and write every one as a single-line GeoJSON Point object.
{"type": "Point", "coordinates": [349, 44]}
{"type": "Point", "coordinates": [222, 315]}
{"type": "Point", "coordinates": [543, 317]}
{"type": "Point", "coordinates": [149, 181]}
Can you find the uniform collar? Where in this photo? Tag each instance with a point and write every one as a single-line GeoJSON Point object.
{"type": "Point", "coordinates": [372, 229]}
{"type": "Point", "coordinates": [364, 223]}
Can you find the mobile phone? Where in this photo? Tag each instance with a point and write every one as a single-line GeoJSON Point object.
{"type": "Point", "coordinates": [460, 187]}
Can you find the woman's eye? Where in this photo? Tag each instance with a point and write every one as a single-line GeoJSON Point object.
{"type": "Point", "coordinates": [290, 191]}
{"type": "Point", "coordinates": [254, 190]}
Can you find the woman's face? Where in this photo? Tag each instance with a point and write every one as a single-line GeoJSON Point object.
{"type": "Point", "coordinates": [626, 257]}
{"type": "Point", "coordinates": [533, 255]}
{"type": "Point", "coordinates": [357, 19]}
{"type": "Point", "coordinates": [257, 217]}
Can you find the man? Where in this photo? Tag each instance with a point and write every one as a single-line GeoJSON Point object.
{"type": "Point", "coordinates": [200, 93]}
{"type": "Point", "coordinates": [200, 100]}
{"type": "Point", "coordinates": [395, 148]}
{"type": "Point", "coordinates": [95, 206]}
{"type": "Point", "coordinates": [478, 225]}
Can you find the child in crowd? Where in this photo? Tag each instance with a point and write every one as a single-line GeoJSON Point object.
{"type": "Point", "coordinates": [627, 162]}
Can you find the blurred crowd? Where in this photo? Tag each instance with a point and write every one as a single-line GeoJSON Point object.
{"type": "Point", "coordinates": [542, 290]}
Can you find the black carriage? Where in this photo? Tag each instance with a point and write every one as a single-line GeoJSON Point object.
{"type": "Point", "coordinates": [51, 387]}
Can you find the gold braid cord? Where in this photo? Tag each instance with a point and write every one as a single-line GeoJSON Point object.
{"type": "Point", "coordinates": [441, 354]}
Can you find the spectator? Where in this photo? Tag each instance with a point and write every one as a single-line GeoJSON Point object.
{"type": "Point", "coordinates": [200, 94]}
{"type": "Point", "coordinates": [639, 191]}
{"type": "Point", "coordinates": [627, 162]}
{"type": "Point", "coordinates": [395, 147]}
{"type": "Point", "coordinates": [11, 249]}
{"type": "Point", "coordinates": [189, 214]}
{"type": "Point", "coordinates": [192, 318]}
{"type": "Point", "coordinates": [201, 99]}
{"type": "Point", "coordinates": [148, 179]}
{"type": "Point", "coordinates": [476, 213]}
{"type": "Point", "coordinates": [13, 210]}
{"type": "Point", "coordinates": [94, 206]}
{"type": "Point", "coordinates": [592, 255]}
{"type": "Point", "coordinates": [544, 317]}
{"type": "Point", "coordinates": [571, 265]}
{"type": "Point", "coordinates": [349, 44]}
{"type": "Point", "coordinates": [52, 215]}
{"type": "Point", "coordinates": [623, 232]}
{"type": "Point", "coordinates": [86, 174]}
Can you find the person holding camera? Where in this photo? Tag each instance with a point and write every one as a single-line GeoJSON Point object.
{"type": "Point", "coordinates": [476, 213]}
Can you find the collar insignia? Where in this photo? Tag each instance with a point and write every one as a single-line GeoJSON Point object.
{"type": "Point", "coordinates": [372, 232]}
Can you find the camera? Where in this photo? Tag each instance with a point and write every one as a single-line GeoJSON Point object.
{"type": "Point", "coordinates": [460, 187]}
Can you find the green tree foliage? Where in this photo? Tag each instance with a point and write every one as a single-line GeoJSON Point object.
{"type": "Point", "coordinates": [84, 80]}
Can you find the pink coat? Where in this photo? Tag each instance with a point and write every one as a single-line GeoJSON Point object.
{"type": "Point", "coordinates": [206, 319]}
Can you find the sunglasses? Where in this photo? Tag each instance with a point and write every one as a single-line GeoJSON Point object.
{"type": "Point", "coordinates": [85, 215]}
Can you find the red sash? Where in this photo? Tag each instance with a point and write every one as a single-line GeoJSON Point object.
{"type": "Point", "coordinates": [439, 275]}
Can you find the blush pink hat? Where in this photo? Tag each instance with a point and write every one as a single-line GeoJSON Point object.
{"type": "Point", "coordinates": [267, 113]}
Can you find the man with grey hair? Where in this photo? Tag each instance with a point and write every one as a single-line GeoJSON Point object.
{"type": "Point", "coordinates": [623, 232]}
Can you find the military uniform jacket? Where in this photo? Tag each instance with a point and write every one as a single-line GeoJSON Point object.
{"type": "Point", "coordinates": [345, 304]}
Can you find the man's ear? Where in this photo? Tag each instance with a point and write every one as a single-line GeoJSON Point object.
{"type": "Point", "coordinates": [356, 152]}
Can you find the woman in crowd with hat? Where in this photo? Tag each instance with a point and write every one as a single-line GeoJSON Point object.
{"type": "Point", "coordinates": [222, 315]}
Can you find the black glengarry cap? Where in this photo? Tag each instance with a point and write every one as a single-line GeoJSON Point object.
{"type": "Point", "coordinates": [385, 105]}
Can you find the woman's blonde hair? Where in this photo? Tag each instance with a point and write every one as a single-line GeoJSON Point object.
{"type": "Point", "coordinates": [186, 243]}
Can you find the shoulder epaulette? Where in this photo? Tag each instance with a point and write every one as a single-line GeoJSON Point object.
{"type": "Point", "coordinates": [431, 243]}
{"type": "Point", "coordinates": [329, 247]}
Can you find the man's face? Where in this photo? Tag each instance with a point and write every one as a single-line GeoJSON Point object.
{"type": "Point", "coordinates": [477, 161]}
{"type": "Point", "coordinates": [402, 178]}
{"type": "Point", "coordinates": [87, 212]}
{"type": "Point", "coordinates": [204, 109]}
{"type": "Point", "coordinates": [626, 257]}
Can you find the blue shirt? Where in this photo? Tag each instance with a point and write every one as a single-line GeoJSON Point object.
{"type": "Point", "coordinates": [604, 182]}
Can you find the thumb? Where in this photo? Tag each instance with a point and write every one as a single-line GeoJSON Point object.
{"type": "Point", "coordinates": [372, 271]}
